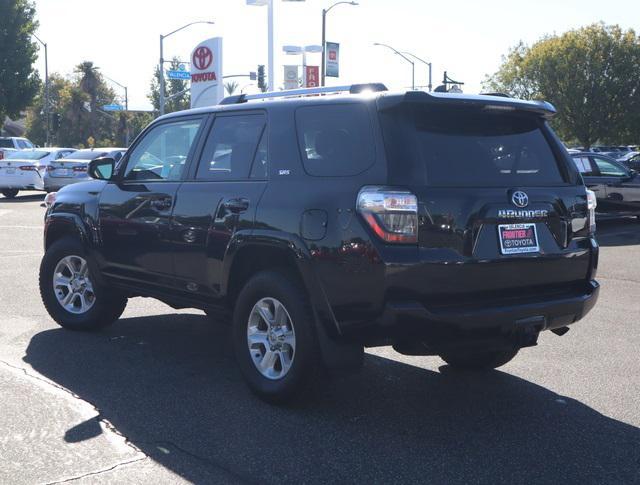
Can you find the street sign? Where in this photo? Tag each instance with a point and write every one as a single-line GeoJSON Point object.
{"type": "Point", "coordinates": [185, 75]}
{"type": "Point", "coordinates": [113, 107]}
{"type": "Point", "coordinates": [291, 77]}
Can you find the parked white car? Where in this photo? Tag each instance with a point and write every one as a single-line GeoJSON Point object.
{"type": "Point", "coordinates": [25, 169]}
{"type": "Point", "coordinates": [73, 169]}
{"type": "Point", "coordinates": [10, 144]}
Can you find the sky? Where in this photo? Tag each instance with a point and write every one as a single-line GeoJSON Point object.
{"type": "Point", "coordinates": [467, 38]}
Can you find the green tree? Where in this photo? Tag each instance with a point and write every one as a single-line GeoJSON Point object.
{"type": "Point", "coordinates": [36, 121]}
{"type": "Point", "coordinates": [178, 96]}
{"type": "Point", "coordinates": [262, 85]}
{"type": "Point", "coordinates": [589, 74]}
{"type": "Point", "coordinates": [231, 86]}
{"type": "Point", "coordinates": [18, 80]}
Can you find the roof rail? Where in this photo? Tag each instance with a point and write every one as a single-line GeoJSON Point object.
{"type": "Point", "coordinates": [352, 89]}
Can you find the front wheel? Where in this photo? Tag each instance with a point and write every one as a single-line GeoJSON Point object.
{"type": "Point", "coordinates": [10, 193]}
{"type": "Point", "coordinates": [70, 292]}
{"type": "Point", "coordinates": [479, 360]}
{"type": "Point", "coordinates": [274, 336]}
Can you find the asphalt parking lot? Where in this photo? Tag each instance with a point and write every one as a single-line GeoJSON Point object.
{"type": "Point", "coordinates": [157, 397]}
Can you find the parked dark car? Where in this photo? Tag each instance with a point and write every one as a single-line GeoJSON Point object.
{"type": "Point", "coordinates": [617, 187]}
{"type": "Point", "coordinates": [440, 224]}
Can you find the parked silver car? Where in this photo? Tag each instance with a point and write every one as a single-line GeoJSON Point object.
{"type": "Point", "coordinates": [73, 169]}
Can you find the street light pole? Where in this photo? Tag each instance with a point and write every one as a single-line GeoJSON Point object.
{"type": "Point", "coordinates": [161, 66]}
{"type": "Point", "coordinates": [270, 61]}
{"type": "Point", "coordinates": [325, 11]}
{"type": "Point", "coordinates": [413, 64]}
{"type": "Point", "coordinates": [424, 62]}
{"type": "Point", "coordinates": [46, 91]}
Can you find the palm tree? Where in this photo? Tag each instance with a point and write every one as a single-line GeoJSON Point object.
{"type": "Point", "coordinates": [231, 87]}
{"type": "Point", "coordinates": [89, 83]}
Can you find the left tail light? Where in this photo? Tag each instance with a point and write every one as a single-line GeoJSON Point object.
{"type": "Point", "coordinates": [29, 168]}
{"type": "Point", "coordinates": [80, 169]}
{"type": "Point", "coordinates": [391, 213]}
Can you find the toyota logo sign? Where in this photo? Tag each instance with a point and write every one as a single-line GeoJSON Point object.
{"type": "Point", "coordinates": [520, 199]}
{"type": "Point", "coordinates": [202, 58]}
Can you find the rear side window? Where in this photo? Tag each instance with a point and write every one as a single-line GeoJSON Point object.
{"type": "Point", "coordinates": [464, 148]}
{"type": "Point", "coordinates": [335, 140]}
{"type": "Point", "coordinates": [583, 165]}
{"type": "Point", "coordinates": [231, 147]}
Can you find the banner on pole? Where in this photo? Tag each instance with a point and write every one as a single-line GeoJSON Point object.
{"type": "Point", "coordinates": [333, 59]}
{"type": "Point", "coordinates": [313, 76]}
{"type": "Point", "coordinates": [291, 77]}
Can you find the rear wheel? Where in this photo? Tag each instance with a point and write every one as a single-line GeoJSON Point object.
{"type": "Point", "coordinates": [479, 360]}
{"type": "Point", "coordinates": [70, 292]}
{"type": "Point", "coordinates": [274, 336]}
{"type": "Point", "coordinates": [10, 193]}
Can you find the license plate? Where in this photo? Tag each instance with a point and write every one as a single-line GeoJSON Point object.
{"type": "Point", "coordinates": [63, 172]}
{"type": "Point", "coordinates": [518, 238]}
{"type": "Point", "coordinates": [11, 171]}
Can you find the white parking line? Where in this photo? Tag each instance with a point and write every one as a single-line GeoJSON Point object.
{"type": "Point", "coordinates": [20, 227]}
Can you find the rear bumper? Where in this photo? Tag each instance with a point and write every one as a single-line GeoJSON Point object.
{"type": "Point", "coordinates": [450, 325]}
{"type": "Point", "coordinates": [28, 180]}
{"type": "Point", "coordinates": [56, 183]}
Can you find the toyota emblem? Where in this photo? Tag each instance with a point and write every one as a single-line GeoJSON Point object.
{"type": "Point", "coordinates": [520, 199]}
{"type": "Point", "coordinates": [202, 58]}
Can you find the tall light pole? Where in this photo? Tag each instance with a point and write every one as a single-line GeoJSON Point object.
{"type": "Point", "coordinates": [325, 11]}
{"type": "Point", "coordinates": [126, 108]}
{"type": "Point", "coordinates": [46, 90]}
{"type": "Point", "coordinates": [161, 66]}
{"type": "Point", "coordinates": [413, 64]}
{"type": "Point", "coordinates": [424, 62]}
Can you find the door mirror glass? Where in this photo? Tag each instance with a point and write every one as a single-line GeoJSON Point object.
{"type": "Point", "coordinates": [102, 168]}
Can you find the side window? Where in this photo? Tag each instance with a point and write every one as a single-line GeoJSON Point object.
{"type": "Point", "coordinates": [231, 147]}
{"type": "Point", "coordinates": [163, 152]}
{"type": "Point", "coordinates": [335, 140]}
{"type": "Point", "coordinates": [22, 145]}
{"type": "Point", "coordinates": [28, 144]}
{"type": "Point", "coordinates": [584, 166]}
{"type": "Point", "coordinates": [608, 169]}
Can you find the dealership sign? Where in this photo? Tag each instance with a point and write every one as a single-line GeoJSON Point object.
{"type": "Point", "coordinates": [333, 59]}
{"type": "Point", "coordinates": [207, 88]}
{"type": "Point", "coordinates": [313, 76]}
{"type": "Point", "coordinates": [291, 77]}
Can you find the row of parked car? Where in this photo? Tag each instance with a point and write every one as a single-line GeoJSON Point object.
{"type": "Point", "coordinates": [46, 169]}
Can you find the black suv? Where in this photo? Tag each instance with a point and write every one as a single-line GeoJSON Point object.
{"type": "Point", "coordinates": [441, 224]}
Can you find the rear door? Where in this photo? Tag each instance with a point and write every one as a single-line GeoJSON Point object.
{"type": "Point", "coordinates": [135, 211]}
{"type": "Point", "coordinates": [497, 199]}
{"type": "Point", "coordinates": [218, 202]}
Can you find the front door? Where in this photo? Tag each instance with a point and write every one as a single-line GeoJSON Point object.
{"type": "Point", "coordinates": [218, 202]}
{"type": "Point", "coordinates": [622, 189]}
{"type": "Point", "coordinates": [135, 210]}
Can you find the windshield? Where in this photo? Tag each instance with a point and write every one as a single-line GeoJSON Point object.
{"type": "Point", "coordinates": [84, 155]}
{"type": "Point", "coordinates": [465, 148]}
{"type": "Point", "coordinates": [27, 155]}
{"type": "Point", "coordinates": [6, 143]}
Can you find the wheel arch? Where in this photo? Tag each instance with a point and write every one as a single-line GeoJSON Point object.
{"type": "Point", "coordinates": [60, 225]}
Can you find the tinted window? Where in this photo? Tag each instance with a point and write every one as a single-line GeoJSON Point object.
{"type": "Point", "coordinates": [464, 148]}
{"type": "Point", "coordinates": [260, 169]}
{"type": "Point", "coordinates": [609, 169]}
{"type": "Point", "coordinates": [231, 147]}
{"type": "Point", "coordinates": [163, 152]}
{"type": "Point", "coordinates": [6, 143]}
{"type": "Point", "coordinates": [335, 140]}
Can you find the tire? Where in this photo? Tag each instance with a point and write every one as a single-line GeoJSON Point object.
{"type": "Point", "coordinates": [479, 360]}
{"type": "Point", "coordinates": [279, 382]}
{"type": "Point", "coordinates": [93, 306]}
{"type": "Point", "coordinates": [10, 193]}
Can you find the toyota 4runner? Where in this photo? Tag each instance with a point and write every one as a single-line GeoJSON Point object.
{"type": "Point", "coordinates": [440, 224]}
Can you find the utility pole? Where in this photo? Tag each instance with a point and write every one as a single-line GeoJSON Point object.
{"type": "Point", "coordinates": [46, 92]}
{"type": "Point", "coordinates": [424, 62]}
{"type": "Point", "coordinates": [413, 64]}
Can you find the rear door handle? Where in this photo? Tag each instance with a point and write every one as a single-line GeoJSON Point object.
{"type": "Point", "coordinates": [161, 203]}
{"type": "Point", "coordinates": [236, 205]}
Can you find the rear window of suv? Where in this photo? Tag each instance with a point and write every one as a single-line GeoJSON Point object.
{"type": "Point", "coordinates": [335, 139]}
{"type": "Point", "coordinates": [465, 148]}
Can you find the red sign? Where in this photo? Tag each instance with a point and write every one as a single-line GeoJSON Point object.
{"type": "Point", "coordinates": [202, 58]}
{"type": "Point", "coordinates": [333, 55]}
{"type": "Point", "coordinates": [313, 76]}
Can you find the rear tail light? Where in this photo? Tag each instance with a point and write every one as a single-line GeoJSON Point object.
{"type": "Point", "coordinates": [1, 155]}
{"type": "Point", "coordinates": [391, 213]}
{"type": "Point", "coordinates": [80, 169]}
{"type": "Point", "coordinates": [592, 203]}
{"type": "Point", "coordinates": [50, 168]}
{"type": "Point", "coordinates": [31, 168]}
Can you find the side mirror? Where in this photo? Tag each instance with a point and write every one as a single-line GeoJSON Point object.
{"type": "Point", "coordinates": [102, 168]}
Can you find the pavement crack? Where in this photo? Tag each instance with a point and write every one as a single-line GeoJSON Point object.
{"type": "Point", "coordinates": [98, 472]}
